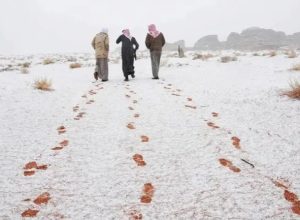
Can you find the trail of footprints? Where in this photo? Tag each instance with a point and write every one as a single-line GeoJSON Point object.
{"type": "Point", "coordinates": [31, 168]}
{"type": "Point", "coordinates": [236, 143]}
{"type": "Point", "coordinates": [148, 188]}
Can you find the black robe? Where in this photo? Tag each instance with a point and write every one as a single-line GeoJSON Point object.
{"type": "Point", "coordinates": [129, 48]}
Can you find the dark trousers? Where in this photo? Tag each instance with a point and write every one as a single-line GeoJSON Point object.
{"type": "Point", "coordinates": [155, 62]}
{"type": "Point", "coordinates": [127, 65]}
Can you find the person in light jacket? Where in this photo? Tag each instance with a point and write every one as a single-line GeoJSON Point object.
{"type": "Point", "coordinates": [100, 44]}
{"type": "Point", "coordinates": [129, 48]}
{"type": "Point", "coordinates": [155, 41]}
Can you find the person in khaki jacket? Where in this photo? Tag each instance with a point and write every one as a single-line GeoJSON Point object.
{"type": "Point", "coordinates": [155, 41]}
{"type": "Point", "coordinates": [100, 44]}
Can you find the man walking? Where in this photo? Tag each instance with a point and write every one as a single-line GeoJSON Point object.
{"type": "Point", "coordinates": [100, 44]}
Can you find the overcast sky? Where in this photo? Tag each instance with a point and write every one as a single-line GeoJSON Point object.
{"type": "Point", "coordinates": [46, 26]}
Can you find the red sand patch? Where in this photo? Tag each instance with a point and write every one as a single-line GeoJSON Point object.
{"type": "Point", "coordinates": [135, 215]}
{"type": "Point", "coordinates": [42, 167]}
{"type": "Point", "coordinates": [236, 142]}
{"type": "Point", "coordinates": [30, 165]}
{"type": "Point", "coordinates": [29, 172]}
{"type": "Point", "coordinates": [61, 129]}
{"type": "Point", "coordinates": [212, 125]}
{"type": "Point", "coordinates": [191, 106]}
{"type": "Point", "coordinates": [42, 199]}
{"type": "Point", "coordinates": [57, 148]}
{"type": "Point", "coordinates": [148, 192]}
{"type": "Point", "coordinates": [235, 169]}
{"type": "Point", "coordinates": [139, 160]}
{"type": "Point", "coordinates": [225, 162]}
{"type": "Point", "coordinates": [64, 143]}
{"type": "Point", "coordinates": [289, 196]}
{"type": "Point", "coordinates": [30, 213]}
{"type": "Point", "coordinates": [228, 163]}
{"type": "Point", "coordinates": [215, 114]}
{"type": "Point", "coordinates": [146, 199]}
{"type": "Point", "coordinates": [296, 207]}
{"type": "Point", "coordinates": [130, 126]}
{"type": "Point", "coordinates": [144, 138]}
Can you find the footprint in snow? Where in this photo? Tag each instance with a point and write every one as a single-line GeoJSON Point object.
{"type": "Point", "coordinates": [228, 163]}
{"type": "Point", "coordinates": [31, 167]}
{"type": "Point", "coordinates": [144, 138]}
{"type": "Point", "coordinates": [139, 160]}
{"type": "Point", "coordinates": [191, 106]}
{"type": "Point", "coordinates": [61, 129]}
{"type": "Point", "coordinates": [130, 126]}
{"type": "Point", "coordinates": [148, 192]}
{"type": "Point", "coordinates": [212, 125]}
{"type": "Point", "coordinates": [30, 213]}
{"type": "Point", "coordinates": [236, 142]}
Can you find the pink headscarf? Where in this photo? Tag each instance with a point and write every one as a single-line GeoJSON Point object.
{"type": "Point", "coordinates": [153, 31]}
{"type": "Point", "coordinates": [126, 32]}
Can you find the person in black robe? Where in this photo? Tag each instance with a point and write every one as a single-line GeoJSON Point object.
{"type": "Point", "coordinates": [129, 48]}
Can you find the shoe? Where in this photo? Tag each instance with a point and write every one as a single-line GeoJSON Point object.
{"type": "Point", "coordinates": [155, 78]}
{"type": "Point", "coordinates": [104, 80]}
{"type": "Point", "coordinates": [126, 79]}
{"type": "Point", "coordinates": [132, 75]}
{"type": "Point", "coordinates": [96, 75]}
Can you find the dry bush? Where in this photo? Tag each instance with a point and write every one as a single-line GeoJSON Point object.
{"type": "Point", "coordinates": [48, 61]}
{"type": "Point", "coordinates": [75, 65]}
{"type": "Point", "coordinates": [296, 67]}
{"type": "Point", "coordinates": [202, 56]}
{"type": "Point", "coordinates": [255, 54]}
{"type": "Point", "coordinates": [291, 54]}
{"type": "Point", "coordinates": [43, 84]}
{"type": "Point", "coordinates": [226, 59]}
{"type": "Point", "coordinates": [272, 53]}
{"type": "Point", "coordinates": [24, 70]}
{"type": "Point", "coordinates": [26, 65]}
{"type": "Point", "coordinates": [294, 91]}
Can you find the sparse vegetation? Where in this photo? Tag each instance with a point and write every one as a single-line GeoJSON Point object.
{"type": "Point", "coordinates": [273, 54]}
{"type": "Point", "coordinates": [202, 56]}
{"type": "Point", "coordinates": [43, 84]}
{"type": "Point", "coordinates": [24, 70]}
{"type": "Point", "coordinates": [227, 59]}
{"type": "Point", "coordinates": [26, 65]}
{"type": "Point", "coordinates": [294, 91]}
{"type": "Point", "coordinates": [296, 67]}
{"type": "Point", "coordinates": [75, 65]}
{"type": "Point", "coordinates": [48, 61]}
{"type": "Point", "coordinates": [291, 54]}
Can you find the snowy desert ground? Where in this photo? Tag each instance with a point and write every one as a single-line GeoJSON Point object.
{"type": "Point", "coordinates": [222, 142]}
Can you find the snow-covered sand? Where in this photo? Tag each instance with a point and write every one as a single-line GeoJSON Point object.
{"type": "Point", "coordinates": [95, 176]}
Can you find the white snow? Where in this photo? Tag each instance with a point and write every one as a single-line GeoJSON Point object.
{"type": "Point", "coordinates": [95, 177]}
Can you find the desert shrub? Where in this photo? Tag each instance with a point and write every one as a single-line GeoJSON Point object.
{"type": "Point", "coordinates": [294, 91]}
{"type": "Point", "coordinates": [43, 84]}
{"type": "Point", "coordinates": [75, 65]}
{"type": "Point", "coordinates": [291, 54]}
{"type": "Point", "coordinates": [227, 59]}
{"type": "Point", "coordinates": [296, 67]}
{"type": "Point", "coordinates": [255, 54]}
{"type": "Point", "coordinates": [272, 53]}
{"type": "Point", "coordinates": [202, 56]}
{"type": "Point", "coordinates": [26, 65]}
{"type": "Point", "coordinates": [24, 70]}
{"type": "Point", "coordinates": [48, 61]}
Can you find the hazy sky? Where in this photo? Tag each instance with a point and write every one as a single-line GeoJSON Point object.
{"type": "Point", "coordinates": [42, 26]}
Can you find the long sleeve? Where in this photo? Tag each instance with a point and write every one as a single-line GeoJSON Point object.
{"type": "Point", "coordinates": [147, 42]}
{"type": "Point", "coordinates": [119, 39]}
{"type": "Point", "coordinates": [107, 43]}
{"type": "Point", "coordinates": [163, 40]}
{"type": "Point", "coordinates": [135, 43]}
{"type": "Point", "coordinates": [93, 43]}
